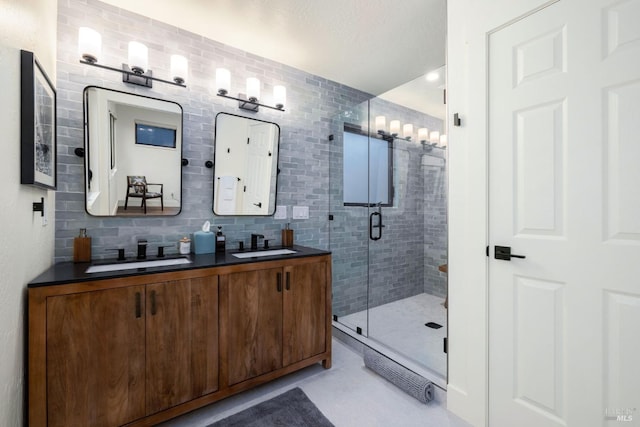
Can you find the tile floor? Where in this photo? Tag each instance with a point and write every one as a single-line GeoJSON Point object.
{"type": "Point", "coordinates": [348, 394]}
{"type": "Point", "coordinates": [400, 325]}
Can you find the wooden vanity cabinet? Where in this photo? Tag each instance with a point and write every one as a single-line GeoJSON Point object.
{"type": "Point", "coordinates": [142, 349]}
{"type": "Point", "coordinates": [275, 318]}
{"type": "Point", "coordinates": [116, 355]}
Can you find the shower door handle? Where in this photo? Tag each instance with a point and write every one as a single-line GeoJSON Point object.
{"type": "Point", "coordinates": [377, 225]}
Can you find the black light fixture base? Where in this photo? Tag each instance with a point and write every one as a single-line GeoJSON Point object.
{"type": "Point", "coordinates": [248, 105]}
{"type": "Point", "coordinates": [129, 76]}
{"type": "Point", "coordinates": [134, 78]}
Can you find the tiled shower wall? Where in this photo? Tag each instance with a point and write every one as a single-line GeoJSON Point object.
{"type": "Point", "coordinates": [434, 168]}
{"type": "Point", "coordinates": [405, 261]}
{"type": "Point", "coordinates": [312, 102]}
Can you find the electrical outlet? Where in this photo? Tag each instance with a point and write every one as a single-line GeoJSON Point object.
{"type": "Point", "coordinates": [301, 212]}
{"type": "Point", "coordinates": [281, 212]}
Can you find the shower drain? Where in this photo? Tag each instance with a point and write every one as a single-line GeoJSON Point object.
{"type": "Point", "coordinates": [433, 325]}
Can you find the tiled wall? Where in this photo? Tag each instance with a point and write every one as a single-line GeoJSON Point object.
{"type": "Point", "coordinates": [305, 126]}
{"type": "Point", "coordinates": [434, 168]}
{"type": "Point", "coordinates": [314, 104]}
{"type": "Point", "coordinates": [405, 261]}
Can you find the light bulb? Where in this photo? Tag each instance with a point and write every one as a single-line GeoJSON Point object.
{"type": "Point", "coordinates": [434, 136]}
{"type": "Point", "coordinates": [223, 81]}
{"type": "Point", "coordinates": [394, 127]}
{"type": "Point", "coordinates": [423, 134]}
{"type": "Point", "coordinates": [179, 68]}
{"type": "Point", "coordinates": [138, 57]}
{"type": "Point", "coordinates": [253, 89]}
{"type": "Point", "coordinates": [407, 131]}
{"type": "Point", "coordinates": [280, 96]}
{"type": "Point", "coordinates": [381, 123]}
{"type": "Point", "coordinates": [89, 44]}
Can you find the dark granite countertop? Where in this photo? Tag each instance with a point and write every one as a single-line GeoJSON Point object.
{"type": "Point", "coordinates": [69, 272]}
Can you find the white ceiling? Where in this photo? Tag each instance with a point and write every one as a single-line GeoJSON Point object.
{"type": "Point", "coordinates": [371, 45]}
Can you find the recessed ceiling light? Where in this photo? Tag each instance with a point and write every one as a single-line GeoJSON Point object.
{"type": "Point", "coordinates": [432, 76]}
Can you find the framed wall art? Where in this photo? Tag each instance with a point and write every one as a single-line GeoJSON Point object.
{"type": "Point", "coordinates": [38, 124]}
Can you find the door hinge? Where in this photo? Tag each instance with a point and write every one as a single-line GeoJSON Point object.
{"type": "Point", "coordinates": [487, 251]}
{"type": "Point", "coordinates": [358, 330]}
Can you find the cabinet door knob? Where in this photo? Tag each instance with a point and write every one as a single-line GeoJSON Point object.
{"type": "Point", "coordinates": [288, 285]}
{"type": "Point", "coordinates": [279, 282]}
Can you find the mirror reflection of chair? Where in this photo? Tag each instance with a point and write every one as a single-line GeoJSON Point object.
{"type": "Point", "coordinates": [137, 186]}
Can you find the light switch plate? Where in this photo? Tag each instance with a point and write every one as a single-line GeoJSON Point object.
{"type": "Point", "coordinates": [281, 212]}
{"type": "Point", "coordinates": [301, 212]}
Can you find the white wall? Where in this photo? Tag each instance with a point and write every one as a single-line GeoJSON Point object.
{"type": "Point", "coordinates": [158, 164]}
{"type": "Point", "coordinates": [469, 22]}
{"type": "Point", "coordinates": [26, 246]}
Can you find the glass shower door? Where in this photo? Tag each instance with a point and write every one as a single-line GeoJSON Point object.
{"type": "Point", "coordinates": [348, 219]}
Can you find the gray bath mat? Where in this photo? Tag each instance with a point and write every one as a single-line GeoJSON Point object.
{"type": "Point", "coordinates": [412, 383]}
{"type": "Point", "coordinates": [290, 409]}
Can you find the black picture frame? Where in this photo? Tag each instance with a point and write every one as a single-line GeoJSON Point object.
{"type": "Point", "coordinates": [38, 143]}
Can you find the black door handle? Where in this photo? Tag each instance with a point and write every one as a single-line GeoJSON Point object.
{"type": "Point", "coordinates": [504, 253]}
{"type": "Point", "coordinates": [378, 226]}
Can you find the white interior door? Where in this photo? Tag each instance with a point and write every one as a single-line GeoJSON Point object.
{"type": "Point", "coordinates": [259, 165]}
{"type": "Point", "coordinates": [564, 179]}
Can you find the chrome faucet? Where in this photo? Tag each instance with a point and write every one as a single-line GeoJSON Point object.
{"type": "Point", "coordinates": [254, 241]}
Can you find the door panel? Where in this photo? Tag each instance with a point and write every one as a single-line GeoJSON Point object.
{"type": "Point", "coordinates": [564, 102]}
{"type": "Point", "coordinates": [622, 213]}
{"type": "Point", "coordinates": [182, 339]}
{"type": "Point", "coordinates": [255, 323]}
{"type": "Point", "coordinates": [305, 304]}
{"type": "Point", "coordinates": [539, 146]}
{"type": "Point", "coordinates": [95, 358]}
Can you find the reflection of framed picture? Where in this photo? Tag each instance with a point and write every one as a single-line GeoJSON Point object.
{"type": "Point", "coordinates": [38, 121]}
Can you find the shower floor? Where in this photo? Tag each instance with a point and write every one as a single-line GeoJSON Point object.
{"type": "Point", "coordinates": [400, 325]}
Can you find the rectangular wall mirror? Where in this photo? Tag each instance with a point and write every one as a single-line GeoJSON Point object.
{"type": "Point", "coordinates": [246, 166]}
{"type": "Point", "coordinates": [133, 154]}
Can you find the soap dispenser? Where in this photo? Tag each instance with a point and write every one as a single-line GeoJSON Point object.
{"type": "Point", "coordinates": [221, 241]}
{"type": "Point", "coordinates": [82, 247]}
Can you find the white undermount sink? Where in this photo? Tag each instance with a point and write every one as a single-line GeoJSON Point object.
{"type": "Point", "coordinates": [271, 252]}
{"type": "Point", "coordinates": [137, 264]}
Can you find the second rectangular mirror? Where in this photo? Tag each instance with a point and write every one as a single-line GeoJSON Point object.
{"type": "Point", "coordinates": [246, 166]}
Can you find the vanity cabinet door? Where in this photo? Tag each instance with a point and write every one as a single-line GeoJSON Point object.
{"type": "Point", "coordinates": [95, 357]}
{"type": "Point", "coordinates": [254, 322]}
{"type": "Point", "coordinates": [181, 341]}
{"type": "Point", "coordinates": [305, 311]}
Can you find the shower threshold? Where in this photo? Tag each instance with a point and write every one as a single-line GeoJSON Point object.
{"type": "Point", "coordinates": [340, 331]}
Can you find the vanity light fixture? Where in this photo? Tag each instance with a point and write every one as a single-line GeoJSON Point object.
{"type": "Point", "coordinates": [136, 71]}
{"type": "Point", "coordinates": [432, 140]}
{"type": "Point", "coordinates": [394, 129]}
{"type": "Point", "coordinates": [250, 101]}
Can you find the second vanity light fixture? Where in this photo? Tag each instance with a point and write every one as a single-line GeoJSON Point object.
{"type": "Point", "coordinates": [137, 70]}
{"type": "Point", "coordinates": [425, 137]}
{"type": "Point", "coordinates": [250, 101]}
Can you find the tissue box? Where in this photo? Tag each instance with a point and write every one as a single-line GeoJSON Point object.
{"type": "Point", "coordinates": [204, 242]}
